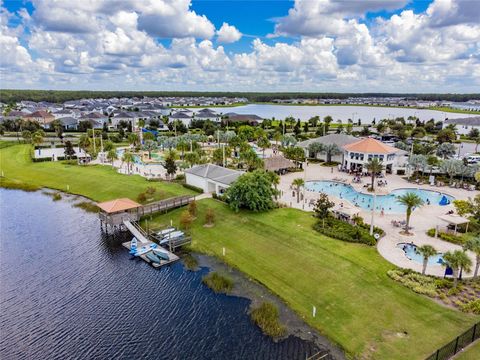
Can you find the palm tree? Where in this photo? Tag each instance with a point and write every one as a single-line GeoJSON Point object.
{"type": "Point", "coordinates": [411, 201]}
{"type": "Point", "coordinates": [133, 139]}
{"type": "Point", "coordinates": [330, 150]}
{"type": "Point", "coordinates": [275, 181]}
{"type": "Point", "coordinates": [374, 166]}
{"type": "Point", "coordinates": [263, 143]}
{"type": "Point", "coordinates": [432, 161]}
{"type": "Point", "coordinates": [127, 158]}
{"type": "Point", "coordinates": [298, 183]}
{"type": "Point", "coordinates": [451, 167]}
{"type": "Point", "coordinates": [37, 137]}
{"type": "Point", "coordinates": [112, 155]}
{"type": "Point", "coordinates": [473, 244]}
{"type": "Point", "coordinates": [426, 251]}
{"type": "Point", "coordinates": [457, 260]}
{"type": "Point", "coordinates": [182, 146]}
{"type": "Point", "coordinates": [84, 142]}
{"type": "Point", "coordinates": [314, 149]}
{"type": "Point", "coordinates": [150, 145]}
{"type": "Point", "coordinates": [446, 150]}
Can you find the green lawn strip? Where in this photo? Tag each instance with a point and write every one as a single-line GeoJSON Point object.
{"type": "Point", "coordinates": [471, 353]}
{"type": "Point", "coordinates": [358, 306]}
{"type": "Point", "coordinates": [97, 182]}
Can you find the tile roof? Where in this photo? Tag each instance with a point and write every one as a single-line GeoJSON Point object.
{"type": "Point", "coordinates": [370, 146]}
{"type": "Point", "coordinates": [118, 205]}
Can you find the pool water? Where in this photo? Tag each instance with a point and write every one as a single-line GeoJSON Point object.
{"type": "Point", "coordinates": [137, 160]}
{"type": "Point", "coordinates": [388, 202]}
{"type": "Point", "coordinates": [412, 253]}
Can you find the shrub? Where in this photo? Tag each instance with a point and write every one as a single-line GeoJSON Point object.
{"type": "Point", "coordinates": [142, 197]}
{"type": "Point", "coordinates": [443, 283]}
{"type": "Point", "coordinates": [186, 220]}
{"type": "Point", "coordinates": [194, 188]}
{"type": "Point", "coordinates": [180, 177]}
{"type": "Point", "coordinates": [218, 283]}
{"type": "Point", "coordinates": [421, 284]}
{"type": "Point", "coordinates": [150, 190]}
{"type": "Point", "coordinates": [266, 317]}
{"type": "Point", "coordinates": [471, 306]}
{"type": "Point", "coordinates": [210, 216]}
{"type": "Point", "coordinates": [454, 239]}
{"type": "Point", "coordinates": [344, 231]}
{"type": "Point", "coordinates": [192, 208]}
{"type": "Point", "coordinates": [57, 196]}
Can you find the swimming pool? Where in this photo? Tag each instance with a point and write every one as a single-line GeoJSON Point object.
{"type": "Point", "coordinates": [388, 203]}
{"type": "Point", "coordinates": [137, 160]}
{"type": "Point", "coordinates": [412, 253]}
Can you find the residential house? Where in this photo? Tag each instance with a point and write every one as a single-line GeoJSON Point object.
{"type": "Point", "coordinates": [40, 116]}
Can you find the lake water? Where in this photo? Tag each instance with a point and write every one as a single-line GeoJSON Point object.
{"type": "Point", "coordinates": [68, 293]}
{"type": "Point", "coordinates": [365, 113]}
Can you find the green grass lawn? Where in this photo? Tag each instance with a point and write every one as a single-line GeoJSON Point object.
{"type": "Point", "coordinates": [358, 305]}
{"type": "Point", "coordinates": [471, 353]}
{"type": "Point", "coordinates": [97, 182]}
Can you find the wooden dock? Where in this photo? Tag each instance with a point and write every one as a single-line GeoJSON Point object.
{"type": "Point", "coordinates": [142, 238]}
{"type": "Point", "coordinates": [171, 255]}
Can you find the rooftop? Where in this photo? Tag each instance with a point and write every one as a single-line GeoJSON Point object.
{"type": "Point", "coordinates": [337, 139]}
{"type": "Point", "coordinates": [216, 173]}
{"type": "Point", "coordinates": [370, 146]}
{"type": "Point", "coordinates": [117, 205]}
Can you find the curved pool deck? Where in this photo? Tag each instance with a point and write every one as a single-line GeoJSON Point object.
{"type": "Point", "coordinates": [422, 219]}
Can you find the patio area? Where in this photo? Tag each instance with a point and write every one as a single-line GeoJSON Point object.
{"type": "Point", "coordinates": [422, 219]}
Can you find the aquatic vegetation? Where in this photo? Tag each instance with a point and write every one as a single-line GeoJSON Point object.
{"type": "Point", "coordinates": [87, 206]}
{"type": "Point", "coordinates": [266, 317]}
{"type": "Point", "coordinates": [218, 283]}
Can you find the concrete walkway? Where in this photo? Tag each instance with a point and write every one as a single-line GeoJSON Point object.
{"type": "Point", "coordinates": [421, 220]}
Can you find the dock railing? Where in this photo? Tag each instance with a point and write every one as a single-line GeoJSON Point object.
{"type": "Point", "coordinates": [165, 205]}
{"type": "Point", "coordinates": [457, 344]}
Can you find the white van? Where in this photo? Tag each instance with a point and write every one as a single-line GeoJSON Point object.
{"type": "Point", "coordinates": [473, 159]}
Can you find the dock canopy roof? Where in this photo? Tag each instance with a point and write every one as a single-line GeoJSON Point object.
{"type": "Point", "coordinates": [370, 146]}
{"type": "Point", "coordinates": [117, 205]}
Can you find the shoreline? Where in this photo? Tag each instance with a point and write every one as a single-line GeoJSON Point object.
{"type": "Point", "coordinates": [254, 291]}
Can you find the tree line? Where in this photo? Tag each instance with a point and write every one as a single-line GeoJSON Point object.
{"type": "Point", "coordinates": [11, 96]}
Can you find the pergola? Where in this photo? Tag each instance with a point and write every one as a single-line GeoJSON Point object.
{"type": "Point", "coordinates": [454, 219]}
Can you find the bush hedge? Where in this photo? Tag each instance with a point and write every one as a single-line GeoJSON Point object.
{"type": "Point", "coordinates": [344, 231]}
{"type": "Point", "coordinates": [194, 188]}
{"type": "Point", "coordinates": [454, 239]}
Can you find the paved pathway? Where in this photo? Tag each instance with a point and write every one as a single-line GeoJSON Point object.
{"type": "Point", "coordinates": [422, 219]}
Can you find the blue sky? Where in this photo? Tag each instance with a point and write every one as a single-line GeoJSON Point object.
{"type": "Point", "coordinates": [302, 45]}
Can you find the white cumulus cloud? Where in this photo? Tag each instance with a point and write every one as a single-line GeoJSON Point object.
{"type": "Point", "coordinates": [228, 34]}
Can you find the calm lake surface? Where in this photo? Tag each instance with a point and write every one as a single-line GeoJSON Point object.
{"type": "Point", "coordinates": [68, 293]}
{"type": "Point", "coordinates": [365, 113]}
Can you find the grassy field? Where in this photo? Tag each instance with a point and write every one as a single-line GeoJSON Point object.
{"type": "Point", "coordinates": [358, 306]}
{"type": "Point", "coordinates": [97, 182]}
{"type": "Point", "coordinates": [471, 353]}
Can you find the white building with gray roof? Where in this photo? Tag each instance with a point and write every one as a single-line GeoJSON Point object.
{"type": "Point", "coordinates": [211, 178]}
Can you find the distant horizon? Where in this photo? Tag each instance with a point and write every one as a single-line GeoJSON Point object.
{"type": "Point", "coordinates": [371, 93]}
